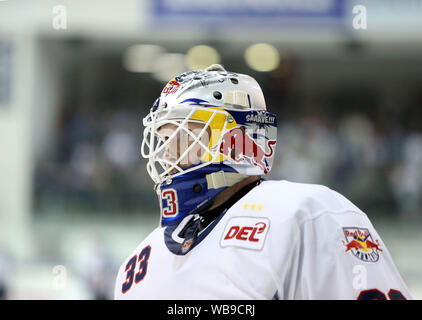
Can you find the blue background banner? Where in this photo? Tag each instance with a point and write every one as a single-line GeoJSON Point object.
{"type": "Point", "coordinates": [261, 9]}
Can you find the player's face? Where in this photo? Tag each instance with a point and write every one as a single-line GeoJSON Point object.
{"type": "Point", "coordinates": [175, 151]}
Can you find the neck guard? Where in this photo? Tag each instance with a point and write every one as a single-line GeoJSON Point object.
{"type": "Point", "coordinates": [193, 192]}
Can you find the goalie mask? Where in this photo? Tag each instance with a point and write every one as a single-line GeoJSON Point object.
{"type": "Point", "coordinates": [208, 130]}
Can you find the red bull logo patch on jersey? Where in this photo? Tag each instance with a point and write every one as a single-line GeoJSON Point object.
{"type": "Point", "coordinates": [186, 245]}
{"type": "Point", "coordinates": [245, 232]}
{"type": "Point", "coordinates": [360, 243]}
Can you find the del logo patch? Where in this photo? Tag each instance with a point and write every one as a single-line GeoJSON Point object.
{"type": "Point", "coordinates": [361, 244]}
{"type": "Point", "coordinates": [245, 232]}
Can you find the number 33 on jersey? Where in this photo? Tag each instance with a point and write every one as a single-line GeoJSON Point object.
{"type": "Point", "coordinates": [137, 263]}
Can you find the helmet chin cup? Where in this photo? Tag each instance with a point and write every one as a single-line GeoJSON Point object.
{"type": "Point", "coordinates": [192, 192]}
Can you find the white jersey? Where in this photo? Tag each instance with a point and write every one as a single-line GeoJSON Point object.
{"type": "Point", "coordinates": [282, 240]}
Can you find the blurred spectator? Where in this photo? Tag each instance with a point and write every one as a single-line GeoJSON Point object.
{"type": "Point", "coordinates": [121, 142]}
{"type": "Point", "coordinates": [305, 152]}
{"type": "Point", "coordinates": [97, 269]}
{"type": "Point", "coordinates": [407, 176]}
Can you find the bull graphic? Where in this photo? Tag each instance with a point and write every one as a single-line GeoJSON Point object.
{"type": "Point", "coordinates": [171, 87]}
{"type": "Point", "coordinates": [236, 144]}
{"type": "Point", "coordinates": [363, 244]}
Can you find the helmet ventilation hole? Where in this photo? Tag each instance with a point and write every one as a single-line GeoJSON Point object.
{"type": "Point", "coordinates": [197, 188]}
{"type": "Point", "coordinates": [234, 80]}
{"type": "Point", "coordinates": [217, 95]}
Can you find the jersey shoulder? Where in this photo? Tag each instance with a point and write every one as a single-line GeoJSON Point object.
{"type": "Point", "coordinates": [150, 238]}
{"type": "Point", "coordinates": [287, 199]}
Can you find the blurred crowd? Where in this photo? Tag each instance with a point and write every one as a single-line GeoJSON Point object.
{"type": "Point", "coordinates": [366, 143]}
{"type": "Point", "coordinates": [96, 167]}
{"type": "Point", "coordinates": [99, 168]}
{"type": "Point", "coordinates": [380, 172]}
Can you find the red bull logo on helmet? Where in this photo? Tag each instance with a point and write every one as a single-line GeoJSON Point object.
{"type": "Point", "coordinates": [171, 87]}
{"type": "Point", "coordinates": [237, 145]}
{"type": "Point", "coordinates": [360, 243]}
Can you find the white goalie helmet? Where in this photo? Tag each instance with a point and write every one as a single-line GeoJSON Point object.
{"type": "Point", "coordinates": [235, 132]}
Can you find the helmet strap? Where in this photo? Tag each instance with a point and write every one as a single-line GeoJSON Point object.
{"type": "Point", "coordinates": [222, 179]}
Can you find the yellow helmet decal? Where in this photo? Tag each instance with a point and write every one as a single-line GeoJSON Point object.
{"type": "Point", "coordinates": [217, 126]}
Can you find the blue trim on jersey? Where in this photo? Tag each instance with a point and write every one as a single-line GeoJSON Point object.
{"type": "Point", "coordinates": [191, 234]}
